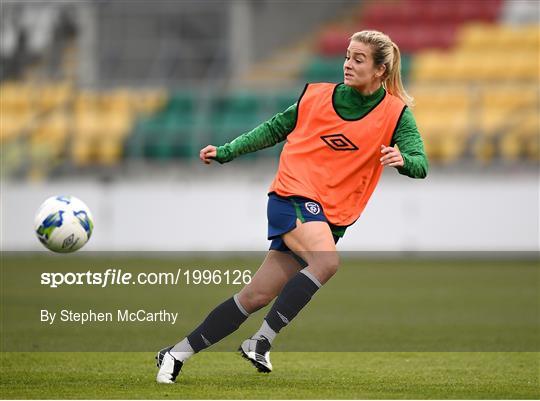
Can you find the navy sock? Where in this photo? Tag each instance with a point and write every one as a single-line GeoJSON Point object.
{"type": "Point", "coordinates": [219, 323]}
{"type": "Point", "coordinates": [294, 296]}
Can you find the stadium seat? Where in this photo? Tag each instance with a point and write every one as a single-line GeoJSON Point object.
{"type": "Point", "coordinates": [324, 69]}
{"type": "Point", "coordinates": [109, 151]}
{"type": "Point", "coordinates": [522, 141]}
{"type": "Point", "coordinates": [431, 66]}
{"type": "Point", "coordinates": [181, 109]}
{"type": "Point", "coordinates": [53, 128]}
{"type": "Point", "coordinates": [51, 96]}
{"type": "Point", "coordinates": [282, 101]}
{"type": "Point", "coordinates": [82, 151]}
{"type": "Point", "coordinates": [435, 98]}
{"type": "Point", "coordinates": [16, 97]}
{"type": "Point", "coordinates": [476, 36]}
{"type": "Point", "coordinates": [445, 133]}
{"type": "Point", "coordinates": [233, 114]}
{"type": "Point", "coordinates": [87, 100]}
{"type": "Point", "coordinates": [512, 147]}
{"type": "Point", "coordinates": [148, 102]}
{"type": "Point", "coordinates": [13, 125]}
{"type": "Point", "coordinates": [511, 97]}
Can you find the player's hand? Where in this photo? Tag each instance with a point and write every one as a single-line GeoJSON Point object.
{"type": "Point", "coordinates": [391, 156]}
{"type": "Point", "coordinates": [207, 154]}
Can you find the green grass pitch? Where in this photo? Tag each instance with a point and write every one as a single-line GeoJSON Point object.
{"type": "Point", "coordinates": [323, 375]}
{"type": "Point", "coordinates": [381, 329]}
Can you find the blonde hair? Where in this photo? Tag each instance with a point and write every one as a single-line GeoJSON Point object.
{"type": "Point", "coordinates": [386, 52]}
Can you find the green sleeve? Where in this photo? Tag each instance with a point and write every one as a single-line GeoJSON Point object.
{"type": "Point", "coordinates": [411, 146]}
{"type": "Point", "coordinates": [265, 135]}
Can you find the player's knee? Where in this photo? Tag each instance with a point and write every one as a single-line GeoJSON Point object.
{"type": "Point", "coordinates": [331, 263]}
{"type": "Point", "coordinates": [253, 300]}
{"type": "Point", "coordinates": [325, 264]}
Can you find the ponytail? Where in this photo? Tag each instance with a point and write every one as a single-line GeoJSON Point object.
{"type": "Point", "coordinates": [392, 83]}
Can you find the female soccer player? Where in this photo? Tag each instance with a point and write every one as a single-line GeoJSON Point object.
{"type": "Point", "coordinates": [339, 138]}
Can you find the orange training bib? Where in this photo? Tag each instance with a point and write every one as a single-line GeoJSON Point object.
{"type": "Point", "coordinates": [332, 160]}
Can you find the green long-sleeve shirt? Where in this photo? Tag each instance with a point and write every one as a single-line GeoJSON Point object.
{"type": "Point", "coordinates": [350, 104]}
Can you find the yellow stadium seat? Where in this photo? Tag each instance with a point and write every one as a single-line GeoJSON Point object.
{"type": "Point", "coordinates": [48, 138]}
{"type": "Point", "coordinates": [495, 66]}
{"type": "Point", "coordinates": [441, 96]}
{"type": "Point", "coordinates": [52, 95]}
{"type": "Point", "coordinates": [511, 147]}
{"type": "Point", "coordinates": [13, 124]}
{"type": "Point", "coordinates": [117, 101]}
{"type": "Point", "coordinates": [82, 151]}
{"type": "Point", "coordinates": [484, 149]}
{"type": "Point", "coordinates": [431, 66]}
{"type": "Point", "coordinates": [445, 133]}
{"type": "Point", "coordinates": [497, 110]}
{"type": "Point", "coordinates": [16, 97]}
{"type": "Point", "coordinates": [510, 96]}
{"type": "Point", "coordinates": [518, 37]}
{"type": "Point", "coordinates": [494, 121]}
{"type": "Point", "coordinates": [87, 101]}
{"type": "Point", "coordinates": [503, 107]}
{"type": "Point", "coordinates": [475, 36]}
{"type": "Point", "coordinates": [109, 150]}
{"type": "Point", "coordinates": [148, 101]}
{"type": "Point", "coordinates": [532, 148]}
{"type": "Point", "coordinates": [521, 141]}
{"type": "Point", "coordinates": [531, 37]}
{"type": "Point", "coordinates": [52, 128]}
{"type": "Point", "coordinates": [463, 66]}
{"type": "Point", "coordinates": [525, 66]}
{"type": "Point", "coordinates": [115, 124]}
{"type": "Point", "coordinates": [10, 127]}
{"type": "Point", "coordinates": [88, 124]}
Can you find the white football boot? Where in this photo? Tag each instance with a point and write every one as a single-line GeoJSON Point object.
{"type": "Point", "coordinates": [257, 351]}
{"type": "Point", "coordinates": [169, 367]}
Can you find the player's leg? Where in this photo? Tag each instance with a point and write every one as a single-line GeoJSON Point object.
{"type": "Point", "coordinates": [266, 284]}
{"type": "Point", "coordinates": [276, 270]}
{"type": "Point", "coordinates": [315, 244]}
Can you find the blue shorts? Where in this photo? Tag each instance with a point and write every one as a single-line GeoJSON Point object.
{"type": "Point", "coordinates": [284, 211]}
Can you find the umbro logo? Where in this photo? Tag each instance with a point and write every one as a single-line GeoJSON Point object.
{"type": "Point", "coordinates": [339, 142]}
{"type": "Point", "coordinates": [283, 318]}
{"type": "Point", "coordinates": [205, 340]}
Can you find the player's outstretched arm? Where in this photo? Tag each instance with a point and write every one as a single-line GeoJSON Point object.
{"type": "Point", "coordinates": [207, 154]}
{"type": "Point", "coordinates": [263, 136]}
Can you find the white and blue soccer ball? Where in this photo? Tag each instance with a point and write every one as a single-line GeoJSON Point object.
{"type": "Point", "coordinates": [64, 224]}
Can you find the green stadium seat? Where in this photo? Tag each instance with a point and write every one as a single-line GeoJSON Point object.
{"type": "Point", "coordinates": [282, 101]}
{"type": "Point", "coordinates": [232, 115]}
{"type": "Point", "coordinates": [166, 138]}
{"type": "Point", "coordinates": [324, 69]}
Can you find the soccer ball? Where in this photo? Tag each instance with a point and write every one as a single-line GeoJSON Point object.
{"type": "Point", "coordinates": [63, 224]}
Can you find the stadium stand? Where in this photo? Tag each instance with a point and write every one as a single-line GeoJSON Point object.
{"type": "Point", "coordinates": [475, 80]}
{"type": "Point", "coordinates": [456, 55]}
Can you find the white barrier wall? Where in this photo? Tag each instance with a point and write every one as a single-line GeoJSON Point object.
{"type": "Point", "coordinates": [225, 209]}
